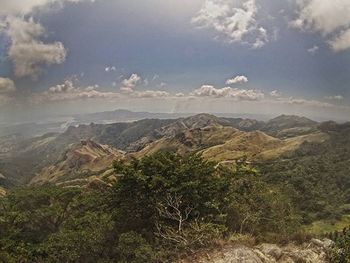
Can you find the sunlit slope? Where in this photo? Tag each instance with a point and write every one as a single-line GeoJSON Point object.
{"type": "Point", "coordinates": [258, 146]}
{"type": "Point", "coordinates": [81, 160]}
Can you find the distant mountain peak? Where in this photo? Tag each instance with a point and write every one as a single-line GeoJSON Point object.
{"type": "Point", "coordinates": [294, 118]}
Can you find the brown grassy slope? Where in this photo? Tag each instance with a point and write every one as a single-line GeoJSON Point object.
{"type": "Point", "coordinates": [258, 146]}
{"type": "Point", "coordinates": [190, 140]}
{"type": "Point", "coordinates": [86, 158]}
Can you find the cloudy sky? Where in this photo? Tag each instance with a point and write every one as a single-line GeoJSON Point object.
{"type": "Point", "coordinates": [270, 57]}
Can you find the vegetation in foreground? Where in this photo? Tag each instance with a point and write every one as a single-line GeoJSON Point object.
{"type": "Point", "coordinates": [162, 206]}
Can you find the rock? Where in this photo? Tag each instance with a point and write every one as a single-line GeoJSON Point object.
{"type": "Point", "coordinates": [271, 250]}
{"type": "Point", "coordinates": [229, 254]}
{"type": "Point", "coordinates": [317, 242]}
{"type": "Point", "coordinates": [313, 252]}
{"type": "Point", "coordinates": [327, 243]}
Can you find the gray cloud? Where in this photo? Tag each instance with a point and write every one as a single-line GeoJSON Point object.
{"type": "Point", "coordinates": [28, 53]}
{"type": "Point", "coordinates": [7, 86]}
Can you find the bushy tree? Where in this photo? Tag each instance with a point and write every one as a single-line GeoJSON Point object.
{"type": "Point", "coordinates": [133, 248]}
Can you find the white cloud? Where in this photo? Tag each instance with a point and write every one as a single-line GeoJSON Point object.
{"type": "Point", "coordinates": [275, 94]}
{"type": "Point", "coordinates": [28, 53]}
{"type": "Point", "coordinates": [22, 7]}
{"type": "Point", "coordinates": [341, 42]}
{"type": "Point", "coordinates": [128, 85]}
{"type": "Point", "coordinates": [180, 94]}
{"type": "Point", "coordinates": [313, 50]}
{"type": "Point", "coordinates": [112, 68]}
{"type": "Point", "coordinates": [335, 97]}
{"type": "Point", "coordinates": [150, 94]}
{"type": "Point", "coordinates": [228, 92]}
{"type": "Point", "coordinates": [233, 22]}
{"type": "Point", "coordinates": [236, 80]}
{"type": "Point", "coordinates": [7, 86]}
{"type": "Point", "coordinates": [68, 91]}
{"type": "Point", "coordinates": [330, 18]}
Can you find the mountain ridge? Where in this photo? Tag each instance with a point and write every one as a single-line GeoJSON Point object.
{"type": "Point", "coordinates": [217, 138]}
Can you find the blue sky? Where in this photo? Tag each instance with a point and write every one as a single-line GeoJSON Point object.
{"type": "Point", "coordinates": [70, 56]}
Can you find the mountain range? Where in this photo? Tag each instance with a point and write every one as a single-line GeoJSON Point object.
{"type": "Point", "coordinates": [88, 150]}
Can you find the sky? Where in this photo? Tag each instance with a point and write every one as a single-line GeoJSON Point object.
{"type": "Point", "coordinates": [61, 57]}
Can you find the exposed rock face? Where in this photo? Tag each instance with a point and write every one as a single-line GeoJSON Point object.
{"type": "Point", "coordinates": [313, 252]}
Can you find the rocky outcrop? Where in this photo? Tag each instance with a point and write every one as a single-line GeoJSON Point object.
{"type": "Point", "coordinates": [314, 251]}
{"type": "Point", "coordinates": [2, 192]}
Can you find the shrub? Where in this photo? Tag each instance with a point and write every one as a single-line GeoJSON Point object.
{"type": "Point", "coordinates": [133, 248]}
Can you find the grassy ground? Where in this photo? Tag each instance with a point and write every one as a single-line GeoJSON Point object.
{"type": "Point", "coordinates": [320, 227]}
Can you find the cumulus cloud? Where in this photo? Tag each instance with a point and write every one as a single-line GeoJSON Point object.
{"type": "Point", "coordinates": [69, 91]}
{"type": "Point", "coordinates": [341, 42]}
{"type": "Point", "coordinates": [330, 18]}
{"type": "Point", "coordinates": [228, 92]}
{"type": "Point", "coordinates": [233, 22]}
{"type": "Point", "coordinates": [28, 53]}
{"type": "Point", "coordinates": [7, 86]}
{"type": "Point", "coordinates": [128, 85]}
{"type": "Point", "coordinates": [237, 80]}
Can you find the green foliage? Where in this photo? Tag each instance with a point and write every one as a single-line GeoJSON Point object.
{"type": "Point", "coordinates": [164, 203]}
{"type": "Point", "coordinates": [257, 208]}
{"type": "Point", "coordinates": [133, 248]}
{"type": "Point", "coordinates": [146, 183]}
{"type": "Point", "coordinates": [341, 249]}
{"type": "Point", "coordinates": [81, 240]}
{"type": "Point", "coordinates": [53, 223]}
{"type": "Point", "coordinates": [316, 177]}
